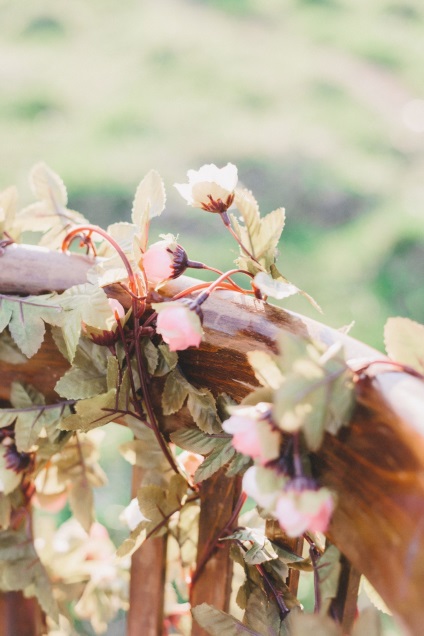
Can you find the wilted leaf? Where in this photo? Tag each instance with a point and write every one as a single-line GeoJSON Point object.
{"type": "Point", "coordinates": [404, 340]}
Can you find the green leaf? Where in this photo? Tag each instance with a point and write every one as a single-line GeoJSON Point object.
{"type": "Point", "coordinates": [174, 393]}
{"type": "Point", "coordinates": [218, 623]}
{"type": "Point", "coordinates": [202, 407]}
{"type": "Point", "coordinates": [404, 341]}
{"type": "Point", "coordinates": [328, 570]}
{"type": "Point", "coordinates": [81, 500]}
{"type": "Point", "coordinates": [26, 319]}
{"type": "Point", "coordinates": [147, 454]}
{"type": "Point", "coordinates": [87, 376]}
{"type": "Point", "coordinates": [5, 511]}
{"type": "Point", "coordinates": [238, 465]}
{"type": "Point", "coordinates": [133, 542]}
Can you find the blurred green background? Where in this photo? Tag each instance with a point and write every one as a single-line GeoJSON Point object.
{"type": "Point", "coordinates": [320, 104]}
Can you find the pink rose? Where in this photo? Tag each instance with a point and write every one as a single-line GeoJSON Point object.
{"type": "Point", "coordinates": [179, 326]}
{"type": "Point", "coordinates": [252, 432]}
{"type": "Point", "coordinates": [299, 511]}
{"type": "Point", "coordinates": [163, 260]}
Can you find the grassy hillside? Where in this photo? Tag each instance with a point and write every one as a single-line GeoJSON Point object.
{"type": "Point", "coordinates": [319, 103]}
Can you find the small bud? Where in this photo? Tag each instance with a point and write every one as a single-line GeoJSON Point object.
{"type": "Point", "coordinates": [164, 260]}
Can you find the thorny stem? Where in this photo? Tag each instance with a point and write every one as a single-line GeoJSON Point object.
{"type": "Point", "coordinates": [147, 399]}
{"type": "Point", "coordinates": [95, 228]}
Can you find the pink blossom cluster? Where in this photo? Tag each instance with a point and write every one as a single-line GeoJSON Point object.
{"type": "Point", "coordinates": [298, 505]}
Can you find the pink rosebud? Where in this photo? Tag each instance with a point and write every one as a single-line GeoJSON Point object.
{"type": "Point", "coordinates": [299, 511]}
{"type": "Point", "coordinates": [163, 260]}
{"type": "Point", "coordinates": [252, 432]}
{"type": "Point", "coordinates": [179, 326]}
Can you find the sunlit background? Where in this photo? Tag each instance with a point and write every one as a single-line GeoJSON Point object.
{"type": "Point", "coordinates": [320, 104]}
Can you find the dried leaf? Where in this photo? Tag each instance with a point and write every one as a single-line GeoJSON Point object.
{"type": "Point", "coordinates": [202, 407]}
{"type": "Point", "coordinates": [218, 623]}
{"type": "Point", "coordinates": [174, 393]}
{"type": "Point", "coordinates": [149, 202]}
{"type": "Point", "coordinates": [87, 376]}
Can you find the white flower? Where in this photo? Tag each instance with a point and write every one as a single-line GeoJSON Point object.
{"type": "Point", "coordinates": [210, 188]}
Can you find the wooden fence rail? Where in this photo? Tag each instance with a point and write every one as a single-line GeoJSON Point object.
{"type": "Point", "coordinates": [376, 465]}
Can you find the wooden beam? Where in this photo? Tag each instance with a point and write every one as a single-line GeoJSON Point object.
{"type": "Point", "coordinates": [375, 466]}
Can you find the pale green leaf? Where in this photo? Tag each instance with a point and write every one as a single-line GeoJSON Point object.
{"type": "Point", "coordinates": [174, 393]}
{"type": "Point", "coordinates": [81, 501]}
{"type": "Point", "coordinates": [260, 548]}
{"type": "Point", "coordinates": [374, 596]}
{"type": "Point", "coordinates": [404, 340]}
{"type": "Point", "coordinates": [87, 376]}
{"type": "Point", "coordinates": [194, 440]}
{"type": "Point", "coordinates": [276, 288]}
{"type": "Point", "coordinates": [9, 351]}
{"type": "Point", "coordinates": [328, 570]}
{"type": "Point", "coordinates": [5, 511]}
{"type": "Point", "coordinates": [151, 355]}
{"type": "Point", "coordinates": [238, 465]}
{"type": "Point", "coordinates": [218, 623]}
{"type": "Point", "coordinates": [167, 360]}
{"type": "Point", "coordinates": [26, 318]}
{"type": "Point", "coordinates": [266, 369]}
{"type": "Point", "coordinates": [149, 202]}
{"type": "Point", "coordinates": [219, 457]}
{"type": "Point", "coordinates": [87, 304]}
{"type": "Point", "coordinates": [46, 185]}
{"type": "Point", "coordinates": [133, 542]}
{"type": "Point", "coordinates": [202, 407]}
{"type": "Point", "coordinates": [92, 413]}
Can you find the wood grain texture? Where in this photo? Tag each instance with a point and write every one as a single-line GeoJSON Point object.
{"type": "Point", "coordinates": [375, 466]}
